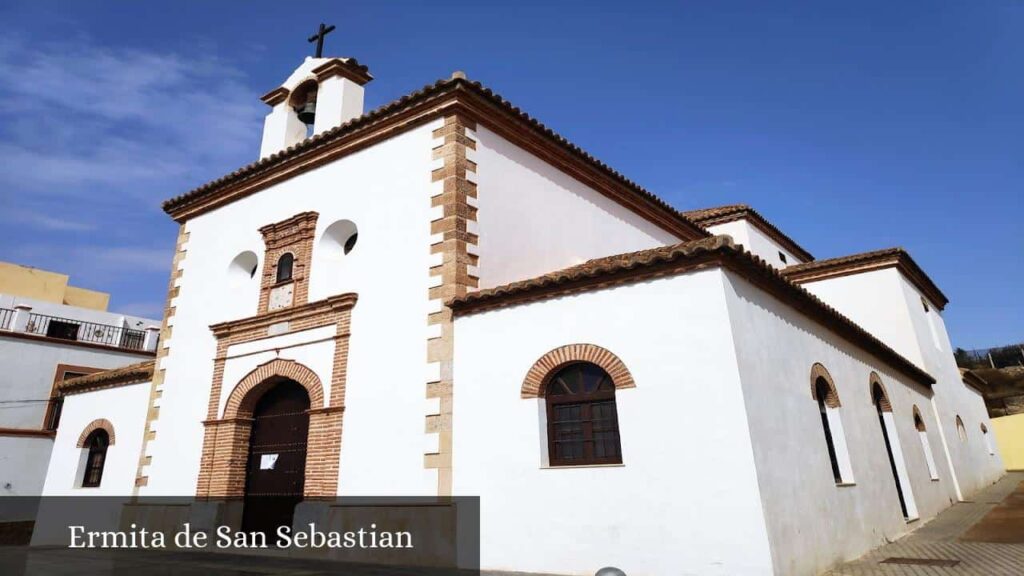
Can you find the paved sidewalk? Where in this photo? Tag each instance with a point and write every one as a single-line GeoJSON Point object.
{"type": "Point", "coordinates": [985, 536]}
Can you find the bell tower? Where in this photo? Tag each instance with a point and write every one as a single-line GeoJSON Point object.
{"type": "Point", "coordinates": [320, 94]}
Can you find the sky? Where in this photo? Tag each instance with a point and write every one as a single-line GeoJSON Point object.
{"type": "Point", "coordinates": [852, 126]}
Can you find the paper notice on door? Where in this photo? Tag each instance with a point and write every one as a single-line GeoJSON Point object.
{"type": "Point", "coordinates": [267, 461]}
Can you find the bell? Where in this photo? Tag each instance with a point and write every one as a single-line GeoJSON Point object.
{"type": "Point", "coordinates": [307, 110]}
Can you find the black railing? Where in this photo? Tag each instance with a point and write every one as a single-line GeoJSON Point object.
{"type": "Point", "coordinates": [6, 314]}
{"type": "Point", "coordinates": [68, 329]}
{"type": "Point", "coordinates": [1001, 357]}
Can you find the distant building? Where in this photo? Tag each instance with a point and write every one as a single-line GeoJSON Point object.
{"type": "Point", "coordinates": [51, 331]}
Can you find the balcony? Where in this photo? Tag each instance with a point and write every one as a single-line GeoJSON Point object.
{"type": "Point", "coordinates": [1002, 357]}
{"type": "Point", "coordinates": [21, 320]}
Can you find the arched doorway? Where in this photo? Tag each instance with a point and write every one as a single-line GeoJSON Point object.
{"type": "Point", "coordinates": [275, 472]}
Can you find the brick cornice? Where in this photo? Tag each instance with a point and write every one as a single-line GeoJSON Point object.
{"type": "Point", "coordinates": [345, 68]}
{"type": "Point", "coordinates": [716, 252]}
{"type": "Point", "coordinates": [732, 213]}
{"type": "Point", "coordinates": [444, 98]}
{"type": "Point", "coordinates": [256, 324]}
{"type": "Point", "coordinates": [869, 262]}
{"type": "Point", "coordinates": [99, 380]}
{"type": "Point", "coordinates": [275, 96]}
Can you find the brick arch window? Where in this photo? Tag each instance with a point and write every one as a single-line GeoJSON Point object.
{"type": "Point", "coordinates": [922, 434]}
{"type": "Point", "coordinates": [961, 431]}
{"type": "Point", "coordinates": [583, 424]}
{"type": "Point", "coordinates": [988, 440]}
{"type": "Point", "coordinates": [284, 267]}
{"type": "Point", "coordinates": [97, 443]}
{"type": "Point", "coordinates": [823, 391]}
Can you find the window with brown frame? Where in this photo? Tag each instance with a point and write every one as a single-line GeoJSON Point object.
{"type": "Point", "coordinates": [583, 423]}
{"type": "Point", "coordinates": [284, 267]}
{"type": "Point", "coordinates": [56, 404]}
{"type": "Point", "coordinates": [97, 443]}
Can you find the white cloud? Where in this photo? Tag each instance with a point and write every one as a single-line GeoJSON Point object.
{"type": "Point", "coordinates": [139, 123]}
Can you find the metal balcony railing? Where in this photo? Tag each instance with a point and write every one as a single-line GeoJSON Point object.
{"type": "Point", "coordinates": [6, 314]}
{"type": "Point", "coordinates": [81, 331]}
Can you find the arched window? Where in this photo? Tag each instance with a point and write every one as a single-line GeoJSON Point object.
{"type": "Point", "coordinates": [583, 424]}
{"type": "Point", "coordinates": [922, 433]}
{"type": "Point", "coordinates": [97, 444]}
{"type": "Point", "coordinates": [960, 430]}
{"type": "Point", "coordinates": [988, 440]}
{"type": "Point", "coordinates": [821, 391]}
{"type": "Point", "coordinates": [284, 267]}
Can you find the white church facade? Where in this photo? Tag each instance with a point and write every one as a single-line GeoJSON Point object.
{"type": "Point", "coordinates": [448, 298]}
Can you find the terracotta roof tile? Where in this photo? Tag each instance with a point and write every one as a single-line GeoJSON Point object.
{"type": "Point", "coordinates": [427, 93]}
{"type": "Point", "coordinates": [730, 212]}
{"type": "Point", "coordinates": [130, 374]}
{"type": "Point", "coordinates": [668, 260]}
{"type": "Point", "coordinates": [864, 262]}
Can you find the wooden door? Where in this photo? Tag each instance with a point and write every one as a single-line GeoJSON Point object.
{"type": "Point", "coordinates": [276, 469]}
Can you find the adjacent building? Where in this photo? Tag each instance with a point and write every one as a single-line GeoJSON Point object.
{"type": "Point", "coordinates": [51, 332]}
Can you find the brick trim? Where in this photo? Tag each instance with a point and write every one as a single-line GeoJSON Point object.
{"type": "Point", "coordinates": [868, 262]}
{"type": "Point", "coordinates": [819, 371]}
{"type": "Point", "coordinates": [535, 382]}
{"type": "Point", "coordinates": [294, 235]}
{"type": "Point", "coordinates": [453, 272]}
{"type": "Point", "coordinates": [98, 424]}
{"type": "Point", "coordinates": [226, 438]}
{"type": "Point", "coordinates": [163, 348]}
{"type": "Point", "coordinates": [919, 420]}
{"type": "Point", "coordinates": [243, 398]}
{"type": "Point", "coordinates": [444, 98]}
{"type": "Point", "coordinates": [873, 380]}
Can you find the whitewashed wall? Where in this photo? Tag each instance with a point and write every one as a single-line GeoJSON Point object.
{"type": "Point", "coordinates": [29, 369]}
{"type": "Point", "coordinates": [812, 522]}
{"type": "Point", "coordinates": [534, 219]}
{"type": "Point", "coordinates": [886, 304]}
{"type": "Point", "coordinates": [756, 242]}
{"type": "Point", "coordinates": [125, 408]}
{"type": "Point", "coordinates": [385, 191]}
{"type": "Point", "coordinates": [685, 500]}
{"type": "Point", "coordinates": [26, 382]}
{"type": "Point", "coordinates": [23, 464]}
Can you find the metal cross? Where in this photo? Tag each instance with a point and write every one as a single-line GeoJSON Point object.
{"type": "Point", "coordinates": [319, 38]}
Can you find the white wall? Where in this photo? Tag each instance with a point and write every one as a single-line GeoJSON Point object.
{"type": "Point", "coordinates": [385, 191]}
{"type": "Point", "coordinates": [23, 466]}
{"type": "Point", "coordinates": [29, 369]}
{"type": "Point", "coordinates": [886, 304]}
{"type": "Point", "coordinates": [125, 408]}
{"type": "Point", "coordinates": [813, 523]}
{"type": "Point", "coordinates": [534, 219]}
{"type": "Point", "coordinates": [25, 385]}
{"type": "Point", "coordinates": [685, 500]}
{"type": "Point", "coordinates": [756, 242]}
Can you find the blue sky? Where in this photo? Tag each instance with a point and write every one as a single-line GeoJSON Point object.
{"type": "Point", "coordinates": [852, 126]}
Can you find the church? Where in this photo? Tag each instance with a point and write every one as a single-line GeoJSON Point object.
{"type": "Point", "coordinates": [443, 296]}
